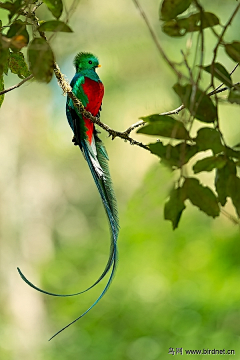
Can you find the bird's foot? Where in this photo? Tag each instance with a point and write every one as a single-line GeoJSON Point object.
{"type": "Point", "coordinates": [74, 140]}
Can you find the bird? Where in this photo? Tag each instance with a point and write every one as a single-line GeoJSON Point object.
{"type": "Point", "coordinates": [89, 89]}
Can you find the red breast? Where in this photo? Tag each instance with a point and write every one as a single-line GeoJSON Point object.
{"type": "Point", "coordinates": [94, 91]}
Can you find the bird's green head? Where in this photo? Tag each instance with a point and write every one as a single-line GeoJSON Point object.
{"type": "Point", "coordinates": [85, 61]}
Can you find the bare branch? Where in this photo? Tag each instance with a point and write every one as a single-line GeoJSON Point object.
{"type": "Point", "coordinates": [17, 85]}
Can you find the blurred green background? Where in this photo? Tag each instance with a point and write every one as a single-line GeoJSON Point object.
{"type": "Point", "coordinates": [172, 289]}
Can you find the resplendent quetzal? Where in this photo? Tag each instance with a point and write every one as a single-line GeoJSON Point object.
{"type": "Point", "coordinates": [88, 88]}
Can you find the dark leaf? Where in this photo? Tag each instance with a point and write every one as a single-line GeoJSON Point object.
{"type": "Point", "coordinates": [181, 26]}
{"type": "Point", "coordinates": [233, 50]}
{"type": "Point", "coordinates": [201, 107]}
{"type": "Point", "coordinates": [164, 125]}
{"type": "Point", "coordinates": [209, 163]}
{"type": "Point", "coordinates": [173, 156]}
{"type": "Point", "coordinates": [41, 59]}
{"type": "Point", "coordinates": [193, 22]}
{"type": "Point", "coordinates": [54, 25]}
{"type": "Point", "coordinates": [18, 34]}
{"type": "Point", "coordinates": [18, 66]}
{"type": "Point", "coordinates": [1, 88]}
{"type": "Point", "coordinates": [4, 54]}
{"type": "Point", "coordinates": [208, 138]}
{"type": "Point", "coordinates": [12, 7]}
{"type": "Point", "coordinates": [220, 73]}
{"type": "Point", "coordinates": [201, 196]}
{"type": "Point", "coordinates": [234, 192]}
{"type": "Point", "coordinates": [221, 180]}
{"type": "Point", "coordinates": [55, 6]}
{"type": "Point", "coordinates": [171, 8]}
{"type": "Point", "coordinates": [232, 153]}
{"type": "Point", "coordinates": [172, 28]}
{"type": "Point", "coordinates": [234, 96]}
{"type": "Point", "coordinates": [174, 207]}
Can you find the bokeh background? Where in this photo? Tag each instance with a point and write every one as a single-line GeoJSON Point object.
{"type": "Point", "coordinates": [172, 289]}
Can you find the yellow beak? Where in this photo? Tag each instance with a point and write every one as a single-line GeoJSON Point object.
{"type": "Point", "coordinates": [99, 65]}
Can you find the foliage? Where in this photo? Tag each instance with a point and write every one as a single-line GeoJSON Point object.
{"type": "Point", "coordinates": [15, 36]}
{"type": "Point", "coordinates": [200, 103]}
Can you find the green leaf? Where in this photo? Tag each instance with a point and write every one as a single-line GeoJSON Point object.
{"type": "Point", "coordinates": [220, 73]}
{"type": "Point", "coordinates": [208, 138]}
{"type": "Point", "coordinates": [54, 25]}
{"type": "Point", "coordinates": [164, 125]}
{"type": "Point", "coordinates": [12, 7]}
{"type": "Point", "coordinates": [181, 26]}
{"type": "Point", "coordinates": [201, 107]}
{"type": "Point", "coordinates": [232, 153]}
{"type": "Point", "coordinates": [209, 163]}
{"type": "Point", "coordinates": [55, 6]}
{"type": "Point", "coordinates": [234, 95]}
{"type": "Point", "coordinates": [173, 156]}
{"type": "Point", "coordinates": [4, 55]}
{"type": "Point", "coordinates": [171, 8]}
{"type": "Point", "coordinates": [201, 196]}
{"type": "Point", "coordinates": [234, 192]}
{"type": "Point", "coordinates": [18, 66]}
{"type": "Point", "coordinates": [193, 22]}
{"type": "Point", "coordinates": [221, 180]}
{"type": "Point", "coordinates": [174, 207]}
{"type": "Point", "coordinates": [233, 50]}
{"type": "Point", "coordinates": [41, 59]}
{"type": "Point", "coordinates": [1, 88]}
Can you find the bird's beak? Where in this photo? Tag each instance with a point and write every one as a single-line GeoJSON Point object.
{"type": "Point", "coordinates": [99, 65]}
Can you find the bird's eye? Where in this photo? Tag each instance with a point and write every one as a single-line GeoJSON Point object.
{"type": "Point", "coordinates": [90, 62]}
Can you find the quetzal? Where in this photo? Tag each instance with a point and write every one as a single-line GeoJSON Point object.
{"type": "Point", "coordinates": [88, 88]}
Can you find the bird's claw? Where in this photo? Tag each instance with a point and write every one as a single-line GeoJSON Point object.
{"type": "Point", "coordinates": [75, 142]}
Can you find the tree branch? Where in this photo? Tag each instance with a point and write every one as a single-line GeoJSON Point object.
{"type": "Point", "coordinates": [17, 85]}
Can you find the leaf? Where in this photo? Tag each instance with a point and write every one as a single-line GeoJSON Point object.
{"type": "Point", "coordinates": [41, 59]}
{"type": "Point", "coordinates": [54, 25]}
{"type": "Point", "coordinates": [55, 6]}
{"type": "Point", "coordinates": [209, 163]}
{"type": "Point", "coordinates": [173, 156]}
{"type": "Point", "coordinates": [201, 106]}
{"type": "Point", "coordinates": [4, 55]}
{"type": "Point", "coordinates": [234, 96]}
{"type": "Point", "coordinates": [201, 196]}
{"type": "Point", "coordinates": [1, 88]}
{"type": "Point", "coordinates": [164, 125]}
{"type": "Point", "coordinates": [18, 66]}
{"type": "Point", "coordinates": [12, 7]}
{"type": "Point", "coordinates": [234, 192]}
{"type": "Point", "coordinates": [220, 73]}
{"type": "Point", "coordinates": [221, 180]}
{"type": "Point", "coordinates": [174, 207]}
{"type": "Point", "coordinates": [171, 8]}
{"type": "Point", "coordinates": [233, 50]}
{"type": "Point", "coordinates": [181, 26]}
{"type": "Point", "coordinates": [232, 153]}
{"type": "Point", "coordinates": [18, 34]}
{"type": "Point", "coordinates": [208, 138]}
{"type": "Point", "coordinates": [193, 22]}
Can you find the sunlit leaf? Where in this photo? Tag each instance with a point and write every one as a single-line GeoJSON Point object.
{"type": "Point", "coordinates": [18, 66]}
{"type": "Point", "coordinates": [221, 180]}
{"type": "Point", "coordinates": [234, 192]}
{"type": "Point", "coordinates": [171, 8]}
{"type": "Point", "coordinates": [41, 59]}
{"type": "Point", "coordinates": [201, 196]}
{"type": "Point", "coordinates": [1, 88]}
{"type": "Point", "coordinates": [208, 138]}
{"type": "Point", "coordinates": [209, 163]}
{"type": "Point", "coordinates": [55, 6]}
{"type": "Point", "coordinates": [54, 25]}
{"type": "Point", "coordinates": [174, 207]}
{"type": "Point", "coordinates": [219, 72]}
{"type": "Point", "coordinates": [201, 106]}
{"type": "Point", "coordinates": [164, 125]}
{"type": "Point", "coordinates": [173, 156]}
{"type": "Point", "coordinates": [234, 96]}
{"type": "Point", "coordinates": [233, 50]}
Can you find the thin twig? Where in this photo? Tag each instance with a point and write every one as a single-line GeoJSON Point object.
{"type": "Point", "coordinates": [155, 39]}
{"type": "Point", "coordinates": [17, 85]}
